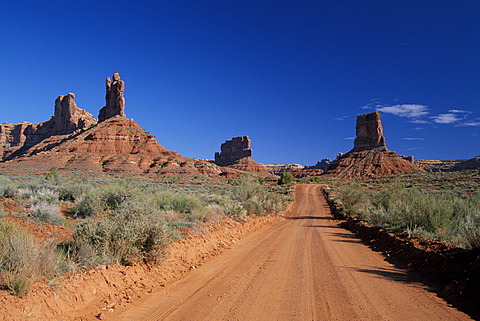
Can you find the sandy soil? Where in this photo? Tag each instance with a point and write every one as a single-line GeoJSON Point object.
{"type": "Point", "coordinates": [302, 268]}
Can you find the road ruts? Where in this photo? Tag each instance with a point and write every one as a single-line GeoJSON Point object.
{"type": "Point", "coordinates": [302, 268]}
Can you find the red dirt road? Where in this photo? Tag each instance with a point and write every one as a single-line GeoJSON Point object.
{"type": "Point", "coordinates": [303, 268]}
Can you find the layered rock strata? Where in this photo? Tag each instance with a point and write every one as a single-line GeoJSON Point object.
{"type": "Point", "coordinates": [236, 153]}
{"type": "Point", "coordinates": [67, 119]}
{"type": "Point", "coordinates": [73, 141]}
{"type": "Point", "coordinates": [450, 165]}
{"type": "Point", "coordinates": [277, 169]}
{"type": "Point", "coordinates": [370, 157]}
{"type": "Point", "coordinates": [369, 131]}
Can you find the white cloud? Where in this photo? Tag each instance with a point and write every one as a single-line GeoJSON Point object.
{"type": "Point", "coordinates": [349, 138]}
{"type": "Point", "coordinates": [420, 121]}
{"type": "Point", "coordinates": [413, 138]}
{"type": "Point", "coordinates": [405, 110]}
{"type": "Point", "coordinates": [472, 123]}
{"type": "Point", "coordinates": [446, 118]}
{"type": "Point", "coordinates": [459, 111]}
{"type": "Point", "coordinates": [341, 118]}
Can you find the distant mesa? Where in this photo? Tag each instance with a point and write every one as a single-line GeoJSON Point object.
{"type": "Point", "coordinates": [237, 154]}
{"type": "Point", "coordinates": [370, 157]}
{"type": "Point", "coordinates": [299, 171]}
{"type": "Point", "coordinates": [450, 165]}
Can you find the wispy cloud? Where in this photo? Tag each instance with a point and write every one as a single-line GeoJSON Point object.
{"type": "Point", "coordinates": [405, 110]}
{"type": "Point", "coordinates": [420, 121]}
{"type": "Point", "coordinates": [341, 118]}
{"type": "Point", "coordinates": [449, 118]}
{"type": "Point", "coordinates": [471, 123]}
{"type": "Point", "coordinates": [349, 138]}
{"type": "Point", "coordinates": [459, 111]}
{"type": "Point", "coordinates": [413, 138]}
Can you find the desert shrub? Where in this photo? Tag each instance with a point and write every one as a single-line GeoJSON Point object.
{"type": "Point", "coordinates": [167, 201]}
{"type": "Point", "coordinates": [22, 261]}
{"type": "Point", "coordinates": [286, 179]}
{"type": "Point", "coordinates": [72, 191]}
{"type": "Point", "coordinates": [99, 199]}
{"type": "Point", "coordinates": [134, 233]}
{"type": "Point", "coordinates": [45, 212]}
{"type": "Point", "coordinates": [89, 205]}
{"type": "Point", "coordinates": [52, 176]}
{"type": "Point", "coordinates": [447, 215]}
{"type": "Point", "coordinates": [8, 188]}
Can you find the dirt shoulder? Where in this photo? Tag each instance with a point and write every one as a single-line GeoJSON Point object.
{"type": "Point", "coordinates": [97, 293]}
{"type": "Point", "coordinates": [453, 273]}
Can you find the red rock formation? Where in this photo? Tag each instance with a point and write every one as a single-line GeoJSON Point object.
{"type": "Point", "coordinates": [114, 100]}
{"type": "Point", "coordinates": [450, 165]}
{"type": "Point", "coordinates": [236, 153]}
{"type": "Point", "coordinates": [74, 142]}
{"type": "Point", "coordinates": [324, 164]}
{"type": "Point", "coordinates": [370, 157]}
{"type": "Point", "coordinates": [369, 132]}
{"type": "Point", "coordinates": [116, 145]}
{"type": "Point", "coordinates": [305, 172]}
{"type": "Point", "coordinates": [67, 118]}
{"type": "Point", "coordinates": [234, 150]}
{"type": "Point", "coordinates": [277, 169]}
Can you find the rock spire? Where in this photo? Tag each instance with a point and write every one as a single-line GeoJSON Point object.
{"type": "Point", "coordinates": [114, 100]}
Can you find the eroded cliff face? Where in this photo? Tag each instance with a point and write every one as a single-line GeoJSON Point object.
{"type": "Point", "coordinates": [237, 154]}
{"type": "Point", "coordinates": [73, 141]}
{"type": "Point", "coordinates": [114, 98]}
{"type": "Point", "coordinates": [370, 157]}
{"type": "Point", "coordinates": [67, 119]}
{"type": "Point", "coordinates": [369, 131]}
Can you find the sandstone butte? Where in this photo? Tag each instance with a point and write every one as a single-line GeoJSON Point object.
{"type": "Point", "coordinates": [237, 154]}
{"type": "Point", "coordinates": [72, 140]}
{"type": "Point", "coordinates": [370, 157]}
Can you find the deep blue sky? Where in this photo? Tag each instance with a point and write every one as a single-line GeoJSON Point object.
{"type": "Point", "coordinates": [292, 75]}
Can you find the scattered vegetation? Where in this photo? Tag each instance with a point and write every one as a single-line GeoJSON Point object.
{"type": "Point", "coordinates": [409, 203]}
{"type": "Point", "coordinates": [286, 178]}
{"type": "Point", "coordinates": [23, 261]}
{"type": "Point", "coordinates": [115, 220]}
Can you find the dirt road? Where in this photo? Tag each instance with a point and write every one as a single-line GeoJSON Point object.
{"type": "Point", "coordinates": [302, 268]}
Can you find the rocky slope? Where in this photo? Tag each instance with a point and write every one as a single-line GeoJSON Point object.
{"type": "Point", "coordinates": [15, 139]}
{"type": "Point", "coordinates": [72, 140]}
{"type": "Point", "coordinates": [370, 156]}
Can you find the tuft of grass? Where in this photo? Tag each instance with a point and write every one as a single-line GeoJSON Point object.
{"type": "Point", "coordinates": [22, 261]}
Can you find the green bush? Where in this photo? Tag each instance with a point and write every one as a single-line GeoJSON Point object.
{"type": "Point", "coordinates": [286, 179]}
{"type": "Point", "coordinates": [134, 233]}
